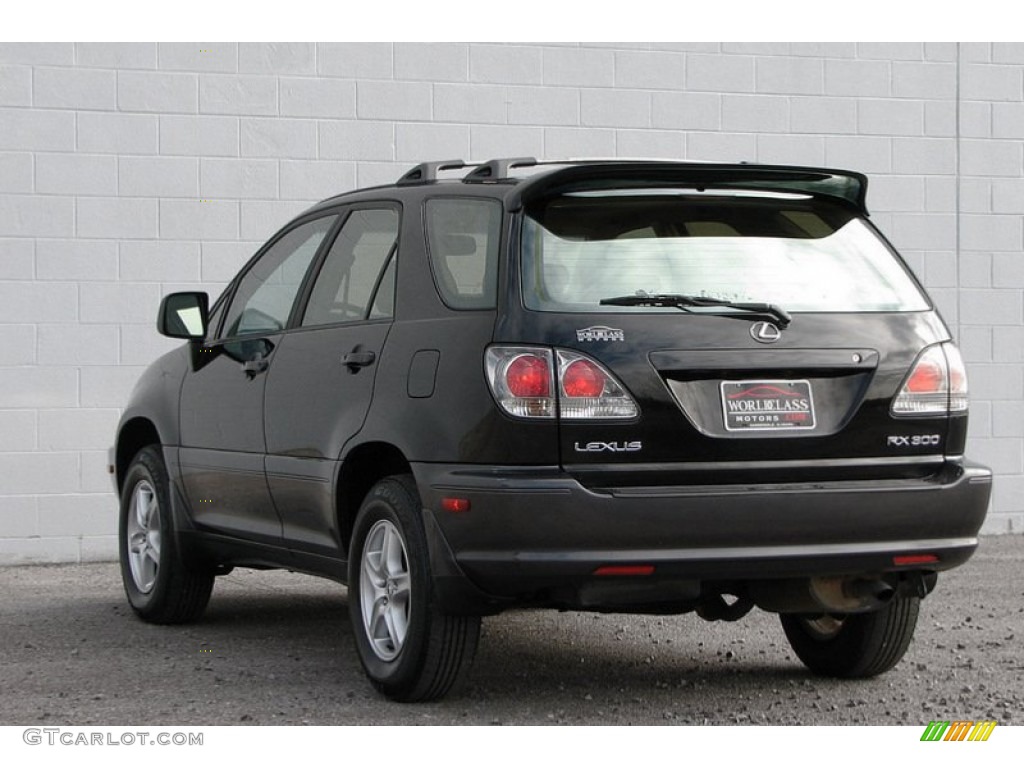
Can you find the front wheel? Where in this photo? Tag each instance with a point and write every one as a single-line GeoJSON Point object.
{"type": "Point", "coordinates": [854, 645]}
{"type": "Point", "coordinates": [410, 650]}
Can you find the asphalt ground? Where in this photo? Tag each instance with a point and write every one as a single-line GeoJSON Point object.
{"type": "Point", "coordinates": [276, 648]}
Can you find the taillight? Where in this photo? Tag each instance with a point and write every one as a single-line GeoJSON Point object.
{"type": "Point", "coordinates": [936, 384]}
{"type": "Point", "coordinates": [523, 380]}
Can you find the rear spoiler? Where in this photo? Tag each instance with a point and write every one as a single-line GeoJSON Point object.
{"type": "Point", "coordinates": [846, 187]}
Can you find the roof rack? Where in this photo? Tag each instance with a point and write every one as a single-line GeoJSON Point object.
{"type": "Point", "coordinates": [498, 168]}
{"type": "Point", "coordinates": [428, 171]}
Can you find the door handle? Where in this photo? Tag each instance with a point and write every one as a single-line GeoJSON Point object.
{"type": "Point", "coordinates": [257, 365]}
{"type": "Point", "coordinates": [355, 360]}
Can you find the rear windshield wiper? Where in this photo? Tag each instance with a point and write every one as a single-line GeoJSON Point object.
{"type": "Point", "coordinates": [685, 301]}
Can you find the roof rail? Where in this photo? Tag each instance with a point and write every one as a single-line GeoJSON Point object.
{"type": "Point", "coordinates": [498, 168]}
{"type": "Point", "coordinates": [428, 171]}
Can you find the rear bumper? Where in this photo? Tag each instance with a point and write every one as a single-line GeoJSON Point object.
{"type": "Point", "coordinates": [535, 529]}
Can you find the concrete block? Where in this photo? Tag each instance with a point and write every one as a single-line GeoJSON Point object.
{"type": "Point", "coordinates": [924, 156]}
{"type": "Point", "coordinates": [817, 114]}
{"type": "Point", "coordinates": [550, 106]}
{"type": "Point", "coordinates": [615, 108]}
{"type": "Point", "coordinates": [141, 344]}
{"type": "Point", "coordinates": [79, 344]}
{"type": "Point", "coordinates": [704, 47]}
{"type": "Point", "coordinates": [470, 103]}
{"type": "Point", "coordinates": [759, 114]}
{"type": "Point", "coordinates": [990, 82]}
{"type": "Point", "coordinates": [909, 51]}
{"type": "Point", "coordinates": [19, 347]}
{"type": "Point", "coordinates": [15, 86]}
{"type": "Point", "coordinates": [17, 261]}
{"type": "Point", "coordinates": [1008, 120]}
{"type": "Point", "coordinates": [646, 143]}
{"type": "Point", "coordinates": [262, 218]}
{"type": "Point", "coordinates": [357, 140]}
{"type": "Point", "coordinates": [317, 97]}
{"type": "Point", "coordinates": [93, 474]}
{"type": "Point", "coordinates": [976, 119]}
{"type": "Point", "coordinates": [946, 301]}
{"type": "Point", "coordinates": [578, 67]}
{"type": "Point", "coordinates": [891, 117]}
{"type": "Point", "coordinates": [1008, 53]}
{"type": "Point", "coordinates": [858, 78]}
{"type": "Point", "coordinates": [896, 193]}
{"type": "Point", "coordinates": [278, 138]}
{"type": "Point", "coordinates": [15, 173]}
{"type": "Point", "coordinates": [1002, 454]}
{"type": "Point", "coordinates": [38, 54]}
{"type": "Point", "coordinates": [76, 174]}
{"type": "Point", "coordinates": [650, 69]}
{"type": "Point", "coordinates": [486, 141]}
{"type": "Point", "coordinates": [277, 58]}
{"type": "Point", "coordinates": [36, 216]}
{"type": "Point", "coordinates": [19, 517]}
{"type": "Point", "coordinates": [232, 178]}
{"type": "Point", "coordinates": [108, 386]}
{"type": "Point", "coordinates": [359, 61]}
{"type": "Point", "coordinates": [724, 73]}
{"type": "Point", "coordinates": [1008, 268]}
{"type": "Point", "coordinates": [561, 143]}
{"type": "Point", "coordinates": [198, 220]}
{"type": "Point", "coordinates": [786, 75]}
{"type": "Point", "coordinates": [760, 49]}
{"type": "Point", "coordinates": [975, 270]}
{"type": "Point", "coordinates": [385, 100]}
{"type": "Point", "coordinates": [1008, 344]}
{"type": "Point", "coordinates": [370, 174]}
{"type": "Point", "coordinates": [826, 50]}
{"type": "Point", "coordinates": [1006, 504]}
{"type": "Point", "coordinates": [975, 344]}
{"type": "Point", "coordinates": [990, 232]}
{"type": "Point", "coordinates": [436, 62]}
{"type": "Point", "coordinates": [116, 55]}
{"type": "Point", "coordinates": [1007, 418]}
{"type": "Point", "coordinates": [37, 129]}
{"type": "Point", "coordinates": [81, 260]}
{"type": "Point", "coordinates": [940, 51]}
{"type": "Point", "coordinates": [157, 92]}
{"type": "Point", "coordinates": [221, 261]}
{"type": "Point", "coordinates": [940, 118]}
{"type": "Point", "coordinates": [979, 157]}
{"type": "Point", "coordinates": [36, 550]}
{"type": "Point", "coordinates": [39, 387]}
{"type": "Point", "coordinates": [787, 149]}
{"type": "Point", "coordinates": [415, 141]}
{"type": "Point", "coordinates": [512, 64]}
{"type": "Point", "coordinates": [158, 176]}
{"type": "Point", "coordinates": [1007, 195]}
{"type": "Point", "coordinates": [991, 307]}
{"type": "Point", "coordinates": [927, 80]}
{"type": "Point", "coordinates": [979, 425]}
{"type": "Point", "coordinates": [17, 430]}
{"type": "Point", "coordinates": [721, 147]}
{"type": "Point", "coordinates": [976, 195]}
{"type": "Point", "coordinates": [925, 231]}
{"type": "Point", "coordinates": [76, 428]}
{"type": "Point", "coordinates": [116, 217]}
{"type": "Point", "coordinates": [99, 549]}
{"type": "Point", "coordinates": [238, 94]}
{"type": "Point", "coordinates": [74, 88]}
{"type": "Point", "coordinates": [117, 133]}
{"type": "Point", "coordinates": [39, 473]}
{"type": "Point", "coordinates": [198, 57]}
{"type": "Point", "coordinates": [686, 111]}
{"type": "Point", "coordinates": [940, 194]}
{"type": "Point", "coordinates": [196, 135]}
{"type": "Point", "coordinates": [118, 302]}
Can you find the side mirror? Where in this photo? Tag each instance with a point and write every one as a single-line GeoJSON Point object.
{"type": "Point", "coordinates": [184, 315]}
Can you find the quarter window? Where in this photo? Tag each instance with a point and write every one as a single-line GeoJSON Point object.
{"type": "Point", "coordinates": [463, 236]}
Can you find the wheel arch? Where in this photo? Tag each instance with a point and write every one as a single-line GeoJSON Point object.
{"type": "Point", "coordinates": [360, 470]}
{"type": "Point", "coordinates": [134, 435]}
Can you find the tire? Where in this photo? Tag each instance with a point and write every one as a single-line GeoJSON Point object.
{"type": "Point", "coordinates": [854, 645]}
{"type": "Point", "coordinates": [161, 587]}
{"type": "Point", "coordinates": [411, 651]}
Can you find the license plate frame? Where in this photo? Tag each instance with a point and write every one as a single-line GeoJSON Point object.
{"type": "Point", "coordinates": [768, 405]}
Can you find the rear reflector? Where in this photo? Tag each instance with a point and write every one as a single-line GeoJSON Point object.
{"type": "Point", "coordinates": [914, 559]}
{"type": "Point", "coordinates": [455, 505]}
{"type": "Point", "coordinates": [624, 570]}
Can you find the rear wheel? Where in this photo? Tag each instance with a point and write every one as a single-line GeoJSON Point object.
{"type": "Point", "coordinates": [854, 645]}
{"type": "Point", "coordinates": [161, 587]}
{"type": "Point", "coordinates": [410, 650]}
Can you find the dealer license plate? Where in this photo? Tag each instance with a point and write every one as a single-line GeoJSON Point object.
{"type": "Point", "coordinates": [767, 405]}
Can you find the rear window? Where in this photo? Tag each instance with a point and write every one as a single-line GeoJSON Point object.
{"type": "Point", "coordinates": [801, 254]}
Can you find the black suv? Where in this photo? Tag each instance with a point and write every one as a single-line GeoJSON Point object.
{"type": "Point", "coordinates": [627, 386]}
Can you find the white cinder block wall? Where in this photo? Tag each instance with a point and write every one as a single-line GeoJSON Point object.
{"type": "Point", "coordinates": [131, 170]}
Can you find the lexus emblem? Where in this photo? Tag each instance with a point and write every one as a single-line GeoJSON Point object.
{"type": "Point", "coordinates": [765, 332]}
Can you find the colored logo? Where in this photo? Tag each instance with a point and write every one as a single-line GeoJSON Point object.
{"type": "Point", "coordinates": [958, 730]}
